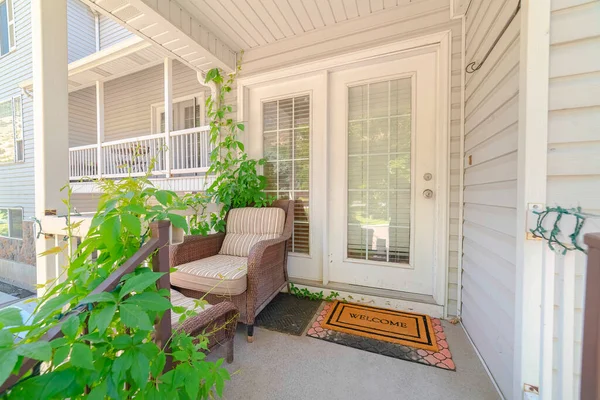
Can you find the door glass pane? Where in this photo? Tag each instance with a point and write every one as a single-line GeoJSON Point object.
{"type": "Point", "coordinates": [286, 147]}
{"type": "Point", "coordinates": [379, 173]}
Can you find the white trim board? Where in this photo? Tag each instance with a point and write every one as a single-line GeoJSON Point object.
{"type": "Point", "coordinates": [441, 44]}
{"type": "Point", "coordinates": [433, 310]}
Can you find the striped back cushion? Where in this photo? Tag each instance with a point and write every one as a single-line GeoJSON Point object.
{"type": "Point", "coordinates": [248, 226]}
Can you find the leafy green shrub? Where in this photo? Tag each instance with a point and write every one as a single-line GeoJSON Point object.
{"type": "Point", "coordinates": [107, 350]}
{"type": "Point", "coordinates": [236, 181]}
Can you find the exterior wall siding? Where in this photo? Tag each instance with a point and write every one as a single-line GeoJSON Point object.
{"type": "Point", "coordinates": [416, 19]}
{"type": "Point", "coordinates": [490, 186]}
{"type": "Point", "coordinates": [82, 117]}
{"type": "Point", "coordinates": [128, 100]}
{"type": "Point", "coordinates": [81, 28]}
{"type": "Point", "coordinates": [111, 32]}
{"type": "Point", "coordinates": [574, 142]}
{"type": "Point", "coordinates": [16, 180]}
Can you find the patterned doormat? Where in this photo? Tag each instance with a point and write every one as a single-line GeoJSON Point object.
{"type": "Point", "coordinates": [287, 314]}
{"type": "Point", "coordinates": [409, 329]}
{"type": "Point", "coordinates": [441, 358]}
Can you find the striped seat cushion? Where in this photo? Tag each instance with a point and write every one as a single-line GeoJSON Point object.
{"type": "Point", "coordinates": [220, 274]}
{"type": "Point", "coordinates": [248, 226]}
{"type": "Point", "coordinates": [179, 300]}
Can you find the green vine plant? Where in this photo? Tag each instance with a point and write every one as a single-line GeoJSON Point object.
{"type": "Point", "coordinates": [236, 181]}
{"type": "Point", "coordinates": [304, 293]}
{"type": "Point", "coordinates": [107, 350]}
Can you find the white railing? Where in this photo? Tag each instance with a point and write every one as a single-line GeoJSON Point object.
{"type": "Point", "coordinates": [189, 152]}
{"type": "Point", "coordinates": [561, 325]}
{"type": "Point", "coordinates": [134, 156]}
{"type": "Point", "coordinates": [83, 161]}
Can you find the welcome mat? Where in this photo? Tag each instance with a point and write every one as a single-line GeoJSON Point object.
{"type": "Point", "coordinates": [392, 326]}
{"type": "Point", "coordinates": [440, 359]}
{"type": "Point", "coordinates": [287, 314]}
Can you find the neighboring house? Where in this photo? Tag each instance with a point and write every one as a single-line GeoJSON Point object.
{"type": "Point", "coordinates": [413, 178]}
{"type": "Point", "coordinates": [88, 33]}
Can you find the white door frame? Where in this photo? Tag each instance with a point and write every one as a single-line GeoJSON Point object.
{"type": "Point", "coordinates": [438, 42]}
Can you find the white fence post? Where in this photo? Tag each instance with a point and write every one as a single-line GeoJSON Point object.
{"type": "Point", "coordinates": [168, 82]}
{"type": "Point", "coordinates": [99, 127]}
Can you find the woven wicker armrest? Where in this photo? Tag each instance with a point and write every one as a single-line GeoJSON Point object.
{"type": "Point", "coordinates": [217, 322]}
{"type": "Point", "coordinates": [262, 251]}
{"type": "Point", "coordinates": [195, 247]}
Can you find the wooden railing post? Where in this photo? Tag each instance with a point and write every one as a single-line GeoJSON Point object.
{"type": "Point", "coordinates": [590, 368]}
{"type": "Point", "coordinates": [160, 263]}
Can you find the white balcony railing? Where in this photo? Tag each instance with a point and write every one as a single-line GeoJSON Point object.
{"type": "Point", "coordinates": [189, 152]}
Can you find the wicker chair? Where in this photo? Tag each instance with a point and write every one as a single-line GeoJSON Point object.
{"type": "Point", "coordinates": [217, 321]}
{"type": "Point", "coordinates": [207, 268]}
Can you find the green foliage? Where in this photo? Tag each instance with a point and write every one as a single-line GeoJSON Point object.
{"type": "Point", "coordinates": [304, 293]}
{"type": "Point", "coordinates": [107, 350]}
{"type": "Point", "coordinates": [236, 182]}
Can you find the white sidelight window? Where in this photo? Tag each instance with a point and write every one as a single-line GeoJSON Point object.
{"type": "Point", "coordinates": [286, 147]}
{"type": "Point", "coordinates": [7, 27]}
{"type": "Point", "coordinates": [379, 171]}
{"type": "Point", "coordinates": [11, 131]}
{"type": "Point", "coordinates": [11, 223]}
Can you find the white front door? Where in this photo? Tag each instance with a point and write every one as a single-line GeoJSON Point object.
{"type": "Point", "coordinates": [382, 175]}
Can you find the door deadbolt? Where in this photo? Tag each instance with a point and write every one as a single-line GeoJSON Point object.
{"type": "Point", "coordinates": [427, 176]}
{"type": "Point", "coordinates": [428, 193]}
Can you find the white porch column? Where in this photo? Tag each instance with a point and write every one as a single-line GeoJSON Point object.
{"type": "Point", "coordinates": [531, 188]}
{"type": "Point", "coordinates": [168, 70]}
{"type": "Point", "coordinates": [100, 125]}
{"type": "Point", "coordinates": [50, 113]}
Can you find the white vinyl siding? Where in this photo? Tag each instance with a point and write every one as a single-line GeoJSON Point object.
{"type": "Point", "coordinates": [111, 32]}
{"type": "Point", "coordinates": [574, 144]}
{"type": "Point", "coordinates": [82, 117]}
{"type": "Point", "coordinates": [16, 180]}
{"type": "Point", "coordinates": [81, 30]}
{"type": "Point", "coordinates": [490, 186]}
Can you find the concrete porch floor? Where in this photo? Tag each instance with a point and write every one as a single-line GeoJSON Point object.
{"type": "Point", "coordinates": [280, 366]}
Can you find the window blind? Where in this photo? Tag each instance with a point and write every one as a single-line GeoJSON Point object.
{"type": "Point", "coordinates": [379, 171]}
{"type": "Point", "coordinates": [286, 147]}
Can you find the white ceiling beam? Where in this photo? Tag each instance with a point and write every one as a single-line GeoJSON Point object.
{"type": "Point", "coordinates": [172, 28]}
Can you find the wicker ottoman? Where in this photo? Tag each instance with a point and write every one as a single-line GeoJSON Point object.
{"type": "Point", "coordinates": [218, 322]}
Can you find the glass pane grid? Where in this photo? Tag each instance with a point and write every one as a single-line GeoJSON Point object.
{"type": "Point", "coordinates": [379, 186]}
{"type": "Point", "coordinates": [286, 136]}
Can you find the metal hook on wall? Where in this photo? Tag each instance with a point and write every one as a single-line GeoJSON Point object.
{"type": "Point", "coordinates": [474, 65]}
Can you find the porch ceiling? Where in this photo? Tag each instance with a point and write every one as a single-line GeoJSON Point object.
{"type": "Point", "coordinates": [253, 23]}
{"type": "Point", "coordinates": [129, 56]}
{"type": "Point", "coordinates": [172, 29]}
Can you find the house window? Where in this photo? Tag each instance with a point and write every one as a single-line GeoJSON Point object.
{"type": "Point", "coordinates": [187, 113]}
{"type": "Point", "coordinates": [286, 135]}
{"type": "Point", "coordinates": [7, 27]}
{"type": "Point", "coordinates": [11, 131]}
{"type": "Point", "coordinates": [11, 223]}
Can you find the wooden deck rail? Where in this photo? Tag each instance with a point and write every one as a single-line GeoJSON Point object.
{"type": "Point", "coordinates": [590, 368]}
{"type": "Point", "coordinates": [158, 247]}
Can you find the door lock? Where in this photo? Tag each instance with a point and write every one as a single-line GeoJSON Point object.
{"type": "Point", "coordinates": [428, 193]}
{"type": "Point", "coordinates": [427, 176]}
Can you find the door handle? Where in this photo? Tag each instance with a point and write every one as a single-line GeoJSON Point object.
{"type": "Point", "coordinates": [428, 193]}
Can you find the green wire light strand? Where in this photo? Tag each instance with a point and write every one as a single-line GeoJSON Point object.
{"type": "Point", "coordinates": [551, 235]}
